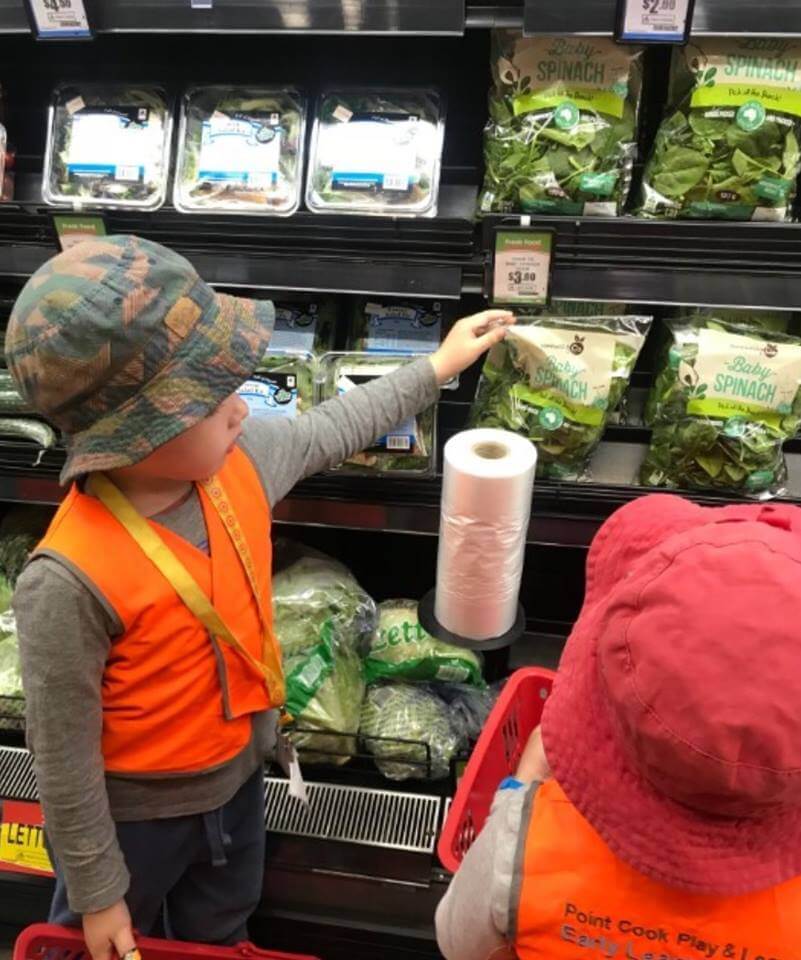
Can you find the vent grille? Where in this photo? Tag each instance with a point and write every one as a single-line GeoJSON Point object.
{"type": "Point", "coordinates": [376, 818]}
{"type": "Point", "coordinates": [17, 781]}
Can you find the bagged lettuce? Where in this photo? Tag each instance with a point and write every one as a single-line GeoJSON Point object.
{"type": "Point", "coordinates": [10, 671]}
{"type": "Point", "coordinates": [562, 131]}
{"type": "Point", "coordinates": [400, 649]}
{"type": "Point", "coordinates": [724, 401]}
{"type": "Point", "coordinates": [728, 147]}
{"type": "Point", "coordinates": [556, 380]}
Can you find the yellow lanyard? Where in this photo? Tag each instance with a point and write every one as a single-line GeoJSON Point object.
{"type": "Point", "coordinates": [185, 585]}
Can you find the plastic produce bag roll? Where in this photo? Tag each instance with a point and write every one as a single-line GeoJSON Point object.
{"type": "Point", "coordinates": [487, 485]}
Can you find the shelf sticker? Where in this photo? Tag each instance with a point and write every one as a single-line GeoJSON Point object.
{"type": "Point", "coordinates": [22, 843]}
{"type": "Point", "coordinates": [522, 267]}
{"type": "Point", "coordinates": [72, 230]}
{"type": "Point", "coordinates": [59, 19]}
{"type": "Point", "coordinates": [654, 21]}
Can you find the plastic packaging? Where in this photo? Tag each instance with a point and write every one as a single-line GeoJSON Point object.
{"type": "Point", "coordinates": [487, 484]}
{"type": "Point", "coordinates": [396, 326]}
{"type": "Point", "coordinates": [398, 712]}
{"type": "Point", "coordinates": [241, 150]}
{"type": "Point", "coordinates": [411, 446]}
{"type": "Point", "coordinates": [728, 147]}
{"type": "Point", "coordinates": [562, 131]}
{"type": "Point", "coordinates": [400, 649]}
{"type": "Point", "coordinates": [556, 380]}
{"type": "Point", "coordinates": [376, 151]}
{"type": "Point", "coordinates": [108, 146]}
{"type": "Point", "coordinates": [282, 386]}
{"type": "Point", "coordinates": [304, 325]}
{"type": "Point", "coordinates": [724, 401]}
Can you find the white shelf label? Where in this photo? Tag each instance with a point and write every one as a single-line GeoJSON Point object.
{"type": "Point", "coordinates": [655, 21]}
{"type": "Point", "coordinates": [60, 18]}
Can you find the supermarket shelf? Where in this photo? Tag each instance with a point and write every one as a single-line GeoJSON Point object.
{"type": "Point", "coordinates": [672, 262]}
{"type": "Point", "coordinates": [13, 18]}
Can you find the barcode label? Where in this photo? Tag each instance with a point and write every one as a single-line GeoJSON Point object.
{"type": "Point", "coordinates": [396, 181]}
{"type": "Point", "coordinates": [399, 443]}
{"type": "Point", "coordinates": [126, 173]}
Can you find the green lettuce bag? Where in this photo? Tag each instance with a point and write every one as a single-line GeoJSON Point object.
{"type": "Point", "coordinates": [556, 380]}
{"type": "Point", "coordinates": [402, 650]}
{"type": "Point", "coordinates": [726, 398]}
{"type": "Point", "coordinates": [728, 147]}
{"type": "Point", "coordinates": [562, 131]}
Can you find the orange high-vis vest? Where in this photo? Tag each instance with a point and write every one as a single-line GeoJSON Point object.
{"type": "Point", "coordinates": [578, 901]}
{"type": "Point", "coordinates": [175, 700]}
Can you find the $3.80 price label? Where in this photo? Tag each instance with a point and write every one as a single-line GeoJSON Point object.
{"type": "Point", "coordinates": [522, 267]}
{"type": "Point", "coordinates": [60, 18]}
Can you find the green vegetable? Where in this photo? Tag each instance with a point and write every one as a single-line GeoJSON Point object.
{"type": "Point", "coordinates": [15, 549]}
{"type": "Point", "coordinates": [33, 430]}
{"type": "Point", "coordinates": [394, 713]}
{"type": "Point", "coordinates": [376, 151]}
{"type": "Point", "coordinates": [725, 399]}
{"type": "Point", "coordinates": [10, 672]}
{"type": "Point", "coordinates": [401, 649]}
{"type": "Point", "coordinates": [379, 326]}
{"type": "Point", "coordinates": [132, 154]}
{"type": "Point", "coordinates": [562, 131]}
{"type": "Point", "coordinates": [254, 117]}
{"type": "Point", "coordinates": [556, 381]}
{"type": "Point", "coordinates": [775, 321]}
{"type": "Point", "coordinates": [10, 399]}
{"type": "Point", "coordinates": [728, 147]}
{"type": "Point", "coordinates": [323, 621]}
{"type": "Point", "coordinates": [410, 448]}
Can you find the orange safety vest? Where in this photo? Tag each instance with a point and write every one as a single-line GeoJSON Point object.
{"type": "Point", "coordinates": [578, 901]}
{"type": "Point", "coordinates": [175, 700]}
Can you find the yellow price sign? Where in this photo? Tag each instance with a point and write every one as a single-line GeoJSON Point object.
{"type": "Point", "coordinates": [22, 841]}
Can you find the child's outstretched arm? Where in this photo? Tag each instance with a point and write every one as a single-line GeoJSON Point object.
{"type": "Point", "coordinates": [285, 451]}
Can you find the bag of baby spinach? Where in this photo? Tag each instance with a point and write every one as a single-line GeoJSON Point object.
{"type": "Point", "coordinates": [726, 398]}
{"type": "Point", "coordinates": [562, 131]}
{"type": "Point", "coordinates": [556, 380]}
{"type": "Point", "coordinates": [728, 147]}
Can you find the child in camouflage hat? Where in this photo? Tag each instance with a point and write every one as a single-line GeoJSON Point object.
{"type": "Point", "coordinates": [152, 678]}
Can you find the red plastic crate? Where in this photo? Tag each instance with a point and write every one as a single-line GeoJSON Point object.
{"type": "Point", "coordinates": [516, 714]}
{"type": "Point", "coordinates": [43, 941]}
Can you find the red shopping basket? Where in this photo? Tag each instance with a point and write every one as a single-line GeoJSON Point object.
{"type": "Point", "coordinates": [517, 712]}
{"type": "Point", "coordinates": [44, 941]}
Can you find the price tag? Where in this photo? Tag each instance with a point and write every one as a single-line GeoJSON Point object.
{"type": "Point", "coordinates": [59, 19]}
{"type": "Point", "coordinates": [22, 844]}
{"type": "Point", "coordinates": [72, 230]}
{"type": "Point", "coordinates": [654, 21]}
{"type": "Point", "coordinates": [521, 272]}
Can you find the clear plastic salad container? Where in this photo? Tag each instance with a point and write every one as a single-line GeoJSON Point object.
{"type": "Point", "coordinates": [305, 325]}
{"type": "Point", "coordinates": [396, 326]}
{"type": "Point", "coordinates": [283, 385]}
{"type": "Point", "coordinates": [410, 447]}
{"type": "Point", "coordinates": [240, 150]}
{"type": "Point", "coordinates": [108, 146]}
{"type": "Point", "coordinates": [376, 151]}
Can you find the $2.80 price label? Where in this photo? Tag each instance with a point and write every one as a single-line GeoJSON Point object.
{"type": "Point", "coordinates": [660, 21]}
{"type": "Point", "coordinates": [60, 18]}
{"type": "Point", "coordinates": [522, 267]}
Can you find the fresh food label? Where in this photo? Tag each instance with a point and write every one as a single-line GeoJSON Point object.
{"type": "Point", "coordinates": [72, 230]}
{"type": "Point", "coordinates": [114, 142]}
{"type": "Point", "coordinates": [401, 439]}
{"type": "Point", "coordinates": [22, 843]}
{"type": "Point", "coordinates": [568, 372]}
{"type": "Point", "coordinates": [522, 267]}
{"type": "Point", "coordinates": [295, 330]}
{"type": "Point", "coordinates": [271, 394]}
{"type": "Point", "coordinates": [376, 151]}
{"type": "Point", "coordinates": [569, 74]}
{"type": "Point", "coordinates": [740, 376]}
{"type": "Point", "coordinates": [398, 329]}
{"type": "Point", "coordinates": [758, 74]}
{"type": "Point", "coordinates": [240, 150]}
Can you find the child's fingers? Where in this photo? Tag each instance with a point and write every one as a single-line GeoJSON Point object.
{"type": "Point", "coordinates": [487, 319]}
{"type": "Point", "coordinates": [489, 339]}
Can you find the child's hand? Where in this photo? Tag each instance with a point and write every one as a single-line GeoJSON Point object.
{"type": "Point", "coordinates": [468, 339]}
{"type": "Point", "coordinates": [109, 932]}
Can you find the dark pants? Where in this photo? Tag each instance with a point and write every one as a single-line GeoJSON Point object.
{"type": "Point", "coordinates": [192, 878]}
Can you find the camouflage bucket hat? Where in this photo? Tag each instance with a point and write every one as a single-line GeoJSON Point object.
{"type": "Point", "coordinates": [121, 345]}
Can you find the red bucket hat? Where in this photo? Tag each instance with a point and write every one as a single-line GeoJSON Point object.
{"type": "Point", "coordinates": [674, 725]}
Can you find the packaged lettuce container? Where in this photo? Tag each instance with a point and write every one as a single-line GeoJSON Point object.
{"type": "Point", "coordinates": [304, 324]}
{"type": "Point", "coordinates": [562, 131]}
{"type": "Point", "coordinates": [376, 151]}
{"type": "Point", "coordinates": [396, 326]}
{"type": "Point", "coordinates": [282, 386]}
{"type": "Point", "coordinates": [409, 448]}
{"type": "Point", "coordinates": [728, 147]}
{"type": "Point", "coordinates": [108, 145]}
{"type": "Point", "coordinates": [724, 401]}
{"type": "Point", "coordinates": [241, 150]}
{"type": "Point", "coordinates": [556, 380]}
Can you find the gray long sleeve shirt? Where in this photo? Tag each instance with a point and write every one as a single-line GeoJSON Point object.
{"type": "Point", "coordinates": [66, 630]}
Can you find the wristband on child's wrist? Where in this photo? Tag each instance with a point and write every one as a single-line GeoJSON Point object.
{"type": "Point", "coordinates": [510, 783]}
